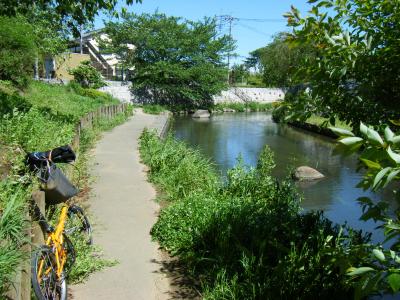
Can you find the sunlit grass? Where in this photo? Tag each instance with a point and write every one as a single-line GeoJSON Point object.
{"type": "Point", "coordinates": [324, 122]}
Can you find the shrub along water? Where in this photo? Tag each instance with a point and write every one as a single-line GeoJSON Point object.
{"type": "Point", "coordinates": [242, 107]}
{"type": "Point", "coordinates": [246, 238]}
{"type": "Point", "coordinates": [40, 118]}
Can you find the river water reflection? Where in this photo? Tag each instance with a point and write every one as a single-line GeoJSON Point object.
{"type": "Point", "coordinates": [224, 137]}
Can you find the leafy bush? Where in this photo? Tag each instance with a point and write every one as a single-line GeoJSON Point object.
{"type": "Point", "coordinates": [17, 50]}
{"type": "Point", "coordinates": [246, 238]}
{"type": "Point", "coordinates": [87, 75]}
{"type": "Point", "coordinates": [379, 155]}
{"type": "Point", "coordinates": [183, 170]}
{"type": "Point", "coordinates": [355, 75]}
{"type": "Point", "coordinates": [241, 106]}
{"type": "Point", "coordinates": [35, 130]}
{"type": "Point", "coordinates": [255, 80]}
{"type": "Point", "coordinates": [153, 109]}
{"type": "Point", "coordinates": [11, 100]}
{"type": "Point", "coordinates": [64, 102]}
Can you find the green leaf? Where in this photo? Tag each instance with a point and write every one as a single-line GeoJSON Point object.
{"type": "Point", "coordinates": [389, 135]}
{"type": "Point", "coordinates": [379, 254]}
{"type": "Point", "coordinates": [341, 131]}
{"type": "Point", "coordinates": [390, 177]}
{"type": "Point", "coordinates": [379, 176]}
{"type": "Point", "coordinates": [343, 71]}
{"type": "Point", "coordinates": [396, 139]}
{"type": "Point", "coordinates": [347, 37]}
{"type": "Point", "coordinates": [395, 122]}
{"type": "Point", "coordinates": [394, 156]}
{"type": "Point", "coordinates": [287, 15]}
{"type": "Point", "coordinates": [369, 42]}
{"type": "Point", "coordinates": [363, 129]}
{"type": "Point", "coordinates": [374, 137]}
{"type": "Point", "coordinates": [350, 140]}
{"type": "Point", "coordinates": [358, 271]}
{"type": "Point", "coordinates": [394, 281]}
{"type": "Point", "coordinates": [393, 226]}
{"type": "Point", "coordinates": [371, 164]}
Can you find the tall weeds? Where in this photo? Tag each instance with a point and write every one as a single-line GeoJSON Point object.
{"type": "Point", "coordinates": [42, 118]}
{"type": "Point", "coordinates": [245, 238]}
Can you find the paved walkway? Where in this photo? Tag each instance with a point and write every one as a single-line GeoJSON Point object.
{"type": "Point", "coordinates": [124, 209]}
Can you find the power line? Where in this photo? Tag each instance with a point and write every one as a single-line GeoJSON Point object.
{"type": "Point", "coordinates": [254, 30]}
{"type": "Point", "coordinates": [263, 20]}
{"type": "Point", "coordinates": [229, 21]}
{"type": "Point", "coordinates": [228, 17]}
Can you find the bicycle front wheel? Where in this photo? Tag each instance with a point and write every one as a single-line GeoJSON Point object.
{"type": "Point", "coordinates": [78, 224]}
{"type": "Point", "coordinates": [45, 282]}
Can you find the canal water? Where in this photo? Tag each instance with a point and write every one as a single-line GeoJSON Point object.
{"type": "Point", "coordinates": [224, 137]}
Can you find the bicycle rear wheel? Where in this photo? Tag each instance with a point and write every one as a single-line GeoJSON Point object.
{"type": "Point", "coordinates": [71, 255]}
{"type": "Point", "coordinates": [78, 223]}
{"type": "Point", "coordinates": [45, 282]}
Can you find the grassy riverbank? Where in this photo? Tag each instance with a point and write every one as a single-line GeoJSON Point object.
{"type": "Point", "coordinates": [246, 238]}
{"type": "Point", "coordinates": [156, 109]}
{"type": "Point", "coordinates": [37, 119]}
{"type": "Point", "coordinates": [324, 122]}
{"type": "Point", "coordinates": [243, 106]}
{"type": "Point", "coordinates": [314, 123]}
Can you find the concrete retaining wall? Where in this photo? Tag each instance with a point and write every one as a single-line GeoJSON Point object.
{"type": "Point", "coordinates": [120, 90]}
{"type": "Point", "coordinates": [263, 95]}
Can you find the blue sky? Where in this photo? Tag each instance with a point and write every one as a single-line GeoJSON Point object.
{"type": "Point", "coordinates": [249, 35]}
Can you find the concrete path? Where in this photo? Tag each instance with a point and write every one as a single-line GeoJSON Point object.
{"type": "Point", "coordinates": [123, 207]}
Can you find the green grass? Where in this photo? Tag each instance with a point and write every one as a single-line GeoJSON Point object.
{"type": "Point", "coordinates": [241, 107]}
{"type": "Point", "coordinates": [154, 109]}
{"type": "Point", "coordinates": [324, 122]}
{"type": "Point", "coordinates": [245, 238]}
{"type": "Point", "coordinates": [37, 119]}
{"type": "Point", "coordinates": [13, 198]}
{"type": "Point", "coordinates": [65, 101]}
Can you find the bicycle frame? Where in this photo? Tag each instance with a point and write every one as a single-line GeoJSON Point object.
{"type": "Point", "coordinates": [55, 240]}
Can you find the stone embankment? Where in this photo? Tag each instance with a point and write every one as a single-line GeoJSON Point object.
{"type": "Point", "coordinates": [121, 91]}
{"type": "Point", "coordinates": [261, 95]}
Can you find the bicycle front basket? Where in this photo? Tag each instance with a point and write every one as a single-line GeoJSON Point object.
{"type": "Point", "coordinates": [57, 187]}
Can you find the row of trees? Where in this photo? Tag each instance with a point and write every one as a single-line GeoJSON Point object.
{"type": "Point", "coordinates": [174, 61]}
{"type": "Point", "coordinates": [279, 61]}
{"type": "Point", "coordinates": [346, 52]}
{"type": "Point", "coordinates": [31, 30]}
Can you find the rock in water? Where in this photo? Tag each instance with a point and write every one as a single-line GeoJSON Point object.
{"type": "Point", "coordinates": [307, 173]}
{"type": "Point", "coordinates": [201, 113]}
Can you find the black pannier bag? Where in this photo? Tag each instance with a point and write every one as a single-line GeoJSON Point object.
{"type": "Point", "coordinates": [56, 186]}
{"type": "Point", "coordinates": [63, 154]}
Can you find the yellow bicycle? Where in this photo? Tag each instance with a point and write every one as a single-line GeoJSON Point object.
{"type": "Point", "coordinates": [52, 261]}
{"type": "Point", "coordinates": [49, 262]}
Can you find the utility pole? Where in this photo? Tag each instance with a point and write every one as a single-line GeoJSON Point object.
{"type": "Point", "coordinates": [81, 38]}
{"type": "Point", "coordinates": [229, 19]}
